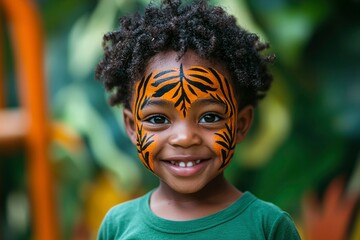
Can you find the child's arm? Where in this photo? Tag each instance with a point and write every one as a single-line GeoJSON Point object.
{"type": "Point", "coordinates": [106, 230]}
{"type": "Point", "coordinates": [284, 228]}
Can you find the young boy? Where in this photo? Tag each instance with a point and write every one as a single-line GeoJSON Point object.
{"type": "Point", "coordinates": [189, 79]}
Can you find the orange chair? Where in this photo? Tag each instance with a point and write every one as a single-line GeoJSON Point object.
{"type": "Point", "coordinates": [28, 126]}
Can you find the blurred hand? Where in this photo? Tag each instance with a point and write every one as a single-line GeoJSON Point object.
{"type": "Point", "coordinates": [330, 219]}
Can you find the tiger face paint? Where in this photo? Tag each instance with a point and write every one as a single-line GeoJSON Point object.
{"type": "Point", "coordinates": [182, 87]}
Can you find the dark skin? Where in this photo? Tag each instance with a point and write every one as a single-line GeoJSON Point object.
{"type": "Point", "coordinates": [217, 195]}
{"type": "Point", "coordinates": [186, 193]}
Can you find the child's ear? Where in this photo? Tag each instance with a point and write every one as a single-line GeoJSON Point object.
{"type": "Point", "coordinates": [244, 121]}
{"type": "Point", "coordinates": [130, 125]}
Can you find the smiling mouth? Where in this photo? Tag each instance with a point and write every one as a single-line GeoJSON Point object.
{"type": "Point", "coordinates": [186, 164]}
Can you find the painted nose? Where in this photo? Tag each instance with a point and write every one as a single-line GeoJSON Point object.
{"type": "Point", "coordinates": [185, 135]}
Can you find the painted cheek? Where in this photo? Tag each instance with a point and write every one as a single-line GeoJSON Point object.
{"type": "Point", "coordinates": [146, 144]}
{"type": "Point", "coordinates": [225, 142]}
{"type": "Point", "coordinates": [225, 139]}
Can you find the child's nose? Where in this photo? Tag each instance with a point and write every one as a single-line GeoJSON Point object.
{"type": "Point", "coordinates": [185, 135]}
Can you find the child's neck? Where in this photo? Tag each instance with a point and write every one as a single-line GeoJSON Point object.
{"type": "Point", "coordinates": [216, 196]}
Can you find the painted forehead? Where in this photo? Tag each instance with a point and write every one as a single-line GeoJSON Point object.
{"type": "Point", "coordinates": [183, 86]}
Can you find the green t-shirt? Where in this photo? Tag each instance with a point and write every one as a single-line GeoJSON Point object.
{"type": "Point", "coordinates": [247, 218]}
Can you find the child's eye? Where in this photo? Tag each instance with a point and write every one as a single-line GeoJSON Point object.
{"type": "Point", "coordinates": [157, 119]}
{"type": "Point", "coordinates": [209, 118]}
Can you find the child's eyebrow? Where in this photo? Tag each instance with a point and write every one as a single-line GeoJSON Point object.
{"type": "Point", "coordinates": [166, 103]}
{"type": "Point", "coordinates": [206, 101]}
{"type": "Point", "coordinates": [158, 102]}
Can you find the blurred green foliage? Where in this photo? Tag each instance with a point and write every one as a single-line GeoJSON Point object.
{"type": "Point", "coordinates": [307, 130]}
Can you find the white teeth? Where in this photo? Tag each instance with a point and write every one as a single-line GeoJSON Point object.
{"type": "Point", "coordinates": [182, 164]}
{"type": "Point", "coordinates": [185, 164]}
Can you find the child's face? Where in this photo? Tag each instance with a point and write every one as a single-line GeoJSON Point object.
{"type": "Point", "coordinates": [185, 120]}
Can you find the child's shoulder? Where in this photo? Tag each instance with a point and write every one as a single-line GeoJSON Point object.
{"type": "Point", "coordinates": [264, 209]}
{"type": "Point", "coordinates": [260, 205]}
{"type": "Point", "coordinates": [121, 215]}
{"type": "Point", "coordinates": [273, 219]}
{"type": "Point", "coordinates": [128, 208]}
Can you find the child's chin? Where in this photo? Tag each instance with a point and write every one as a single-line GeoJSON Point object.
{"type": "Point", "coordinates": [189, 188]}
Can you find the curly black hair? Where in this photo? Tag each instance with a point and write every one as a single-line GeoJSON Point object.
{"type": "Point", "coordinates": [208, 30]}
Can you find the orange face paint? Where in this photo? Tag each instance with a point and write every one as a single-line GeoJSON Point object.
{"type": "Point", "coordinates": [182, 87]}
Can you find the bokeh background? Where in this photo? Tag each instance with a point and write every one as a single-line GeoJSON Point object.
{"type": "Point", "coordinates": [302, 154]}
